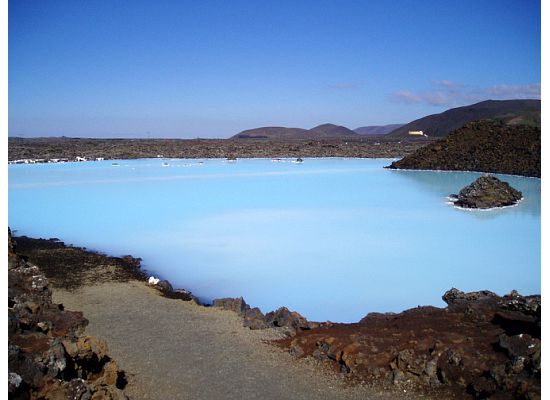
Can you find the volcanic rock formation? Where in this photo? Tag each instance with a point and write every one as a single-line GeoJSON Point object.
{"type": "Point", "coordinates": [481, 345]}
{"type": "Point", "coordinates": [255, 319]}
{"type": "Point", "coordinates": [487, 192]}
{"type": "Point", "coordinates": [484, 146]}
{"type": "Point", "coordinates": [49, 356]}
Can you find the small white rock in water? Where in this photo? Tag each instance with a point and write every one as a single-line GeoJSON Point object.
{"type": "Point", "coordinates": [153, 281]}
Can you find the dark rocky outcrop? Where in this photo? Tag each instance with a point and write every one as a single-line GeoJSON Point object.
{"type": "Point", "coordinates": [487, 192]}
{"type": "Point", "coordinates": [284, 317]}
{"type": "Point", "coordinates": [255, 319]}
{"type": "Point", "coordinates": [481, 346]}
{"type": "Point", "coordinates": [252, 317]}
{"type": "Point", "coordinates": [49, 356]}
{"type": "Point", "coordinates": [484, 146]}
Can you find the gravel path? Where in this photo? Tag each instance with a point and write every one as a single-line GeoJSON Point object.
{"type": "Point", "coordinates": [177, 350]}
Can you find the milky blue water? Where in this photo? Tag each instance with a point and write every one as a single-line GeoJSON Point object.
{"type": "Point", "coordinates": [331, 238]}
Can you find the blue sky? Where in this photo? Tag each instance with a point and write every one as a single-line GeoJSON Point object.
{"type": "Point", "coordinates": [213, 68]}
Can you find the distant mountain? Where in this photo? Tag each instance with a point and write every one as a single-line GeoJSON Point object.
{"type": "Point", "coordinates": [377, 129]}
{"type": "Point", "coordinates": [272, 132]}
{"type": "Point", "coordinates": [511, 112]}
{"type": "Point", "coordinates": [485, 146]}
{"type": "Point", "coordinates": [331, 130]}
{"type": "Point", "coordinates": [324, 131]}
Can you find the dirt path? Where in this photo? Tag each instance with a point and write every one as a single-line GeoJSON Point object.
{"type": "Point", "coordinates": [177, 350]}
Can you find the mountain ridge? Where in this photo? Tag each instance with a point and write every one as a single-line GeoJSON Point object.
{"type": "Point", "coordinates": [377, 129]}
{"type": "Point", "coordinates": [511, 112]}
{"type": "Point", "coordinates": [323, 131]}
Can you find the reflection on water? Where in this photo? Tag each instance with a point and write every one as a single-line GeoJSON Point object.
{"type": "Point", "coordinates": [331, 238]}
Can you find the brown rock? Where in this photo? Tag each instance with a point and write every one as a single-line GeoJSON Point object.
{"type": "Point", "coordinates": [481, 344]}
{"type": "Point", "coordinates": [284, 317]}
{"type": "Point", "coordinates": [237, 305]}
{"type": "Point", "coordinates": [45, 346]}
{"type": "Point", "coordinates": [109, 375]}
{"type": "Point", "coordinates": [90, 346]}
{"type": "Point", "coordinates": [108, 393]}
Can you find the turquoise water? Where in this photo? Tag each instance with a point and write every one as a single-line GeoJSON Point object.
{"type": "Point", "coordinates": [332, 239]}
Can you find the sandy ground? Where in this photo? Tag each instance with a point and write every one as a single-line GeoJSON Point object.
{"type": "Point", "coordinates": [172, 349]}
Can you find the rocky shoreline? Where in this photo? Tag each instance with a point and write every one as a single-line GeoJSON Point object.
{"type": "Point", "coordinates": [56, 259]}
{"type": "Point", "coordinates": [480, 346]}
{"type": "Point", "coordinates": [49, 356]}
{"type": "Point", "coordinates": [483, 146]}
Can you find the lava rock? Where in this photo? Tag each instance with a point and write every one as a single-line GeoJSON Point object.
{"type": "Point", "coordinates": [488, 192]}
{"type": "Point", "coordinates": [237, 305]}
{"type": "Point", "coordinates": [481, 344]}
{"type": "Point", "coordinates": [48, 356]}
{"type": "Point", "coordinates": [284, 317]}
{"type": "Point", "coordinates": [253, 318]}
{"type": "Point", "coordinates": [485, 146]}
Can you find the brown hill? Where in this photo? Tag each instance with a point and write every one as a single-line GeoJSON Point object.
{"type": "Point", "coordinates": [331, 130]}
{"type": "Point", "coordinates": [272, 132]}
{"type": "Point", "coordinates": [486, 146]}
{"type": "Point", "coordinates": [512, 112]}
{"type": "Point", "coordinates": [324, 131]}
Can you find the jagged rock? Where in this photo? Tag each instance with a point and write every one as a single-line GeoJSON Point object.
{"type": "Point", "coordinates": [237, 305]}
{"type": "Point", "coordinates": [487, 192]}
{"type": "Point", "coordinates": [521, 345]}
{"type": "Point", "coordinates": [296, 351]}
{"type": "Point", "coordinates": [46, 349]}
{"type": "Point", "coordinates": [284, 317]}
{"type": "Point", "coordinates": [455, 296]}
{"type": "Point", "coordinates": [58, 390]}
{"type": "Point", "coordinates": [481, 344]}
{"type": "Point", "coordinates": [89, 347]}
{"type": "Point", "coordinates": [253, 318]}
{"type": "Point", "coordinates": [529, 305]}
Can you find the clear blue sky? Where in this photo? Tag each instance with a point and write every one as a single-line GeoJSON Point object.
{"type": "Point", "coordinates": [213, 68]}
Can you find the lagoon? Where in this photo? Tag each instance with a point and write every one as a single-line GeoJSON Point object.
{"type": "Point", "coordinates": [330, 238]}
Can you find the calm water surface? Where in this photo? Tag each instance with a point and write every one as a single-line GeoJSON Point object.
{"type": "Point", "coordinates": [331, 238]}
